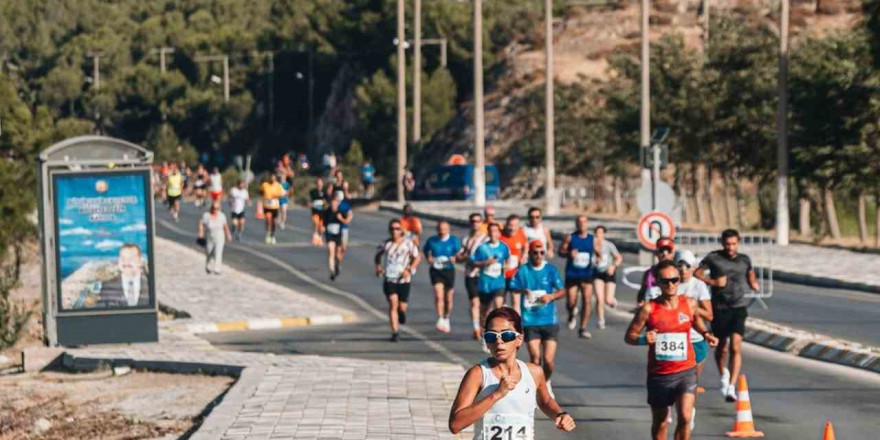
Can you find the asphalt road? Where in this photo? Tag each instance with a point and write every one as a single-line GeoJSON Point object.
{"type": "Point", "coordinates": [600, 381]}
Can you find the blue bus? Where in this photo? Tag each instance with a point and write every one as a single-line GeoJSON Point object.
{"type": "Point", "coordinates": [456, 182]}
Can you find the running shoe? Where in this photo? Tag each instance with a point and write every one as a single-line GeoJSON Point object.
{"type": "Point", "coordinates": [268, 239]}
{"type": "Point", "coordinates": [401, 316]}
{"type": "Point", "coordinates": [273, 240]}
{"type": "Point", "coordinates": [439, 325]}
{"type": "Point", "coordinates": [332, 276]}
{"type": "Point", "coordinates": [584, 334]}
{"type": "Point", "coordinates": [572, 318]}
{"type": "Point", "coordinates": [601, 324]}
{"type": "Point", "coordinates": [395, 337]}
{"type": "Point", "coordinates": [725, 381]}
{"type": "Point", "coordinates": [282, 226]}
{"type": "Point", "coordinates": [207, 270]}
{"type": "Point", "coordinates": [731, 394]}
{"type": "Point", "coordinates": [447, 326]}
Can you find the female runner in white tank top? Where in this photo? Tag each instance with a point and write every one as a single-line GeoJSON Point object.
{"type": "Point", "coordinates": [499, 396]}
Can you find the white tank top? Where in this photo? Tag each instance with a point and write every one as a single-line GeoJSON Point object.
{"type": "Point", "coordinates": [536, 233]}
{"type": "Point", "coordinates": [514, 415]}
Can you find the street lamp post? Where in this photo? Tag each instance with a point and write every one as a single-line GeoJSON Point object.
{"type": "Point", "coordinates": [162, 51]}
{"type": "Point", "coordinates": [225, 60]}
{"type": "Point", "coordinates": [479, 140]}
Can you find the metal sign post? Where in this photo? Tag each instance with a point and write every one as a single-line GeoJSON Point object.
{"type": "Point", "coordinates": [97, 241]}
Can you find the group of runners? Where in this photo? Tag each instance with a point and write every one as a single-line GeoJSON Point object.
{"type": "Point", "coordinates": [679, 298]}
{"type": "Point", "coordinates": [512, 288]}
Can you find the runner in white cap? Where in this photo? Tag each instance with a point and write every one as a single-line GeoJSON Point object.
{"type": "Point", "coordinates": [691, 287]}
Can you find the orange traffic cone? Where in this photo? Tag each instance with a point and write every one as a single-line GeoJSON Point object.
{"type": "Point", "coordinates": [744, 425]}
{"type": "Point", "coordinates": [829, 431]}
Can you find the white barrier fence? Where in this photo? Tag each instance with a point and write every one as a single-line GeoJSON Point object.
{"type": "Point", "coordinates": [759, 248]}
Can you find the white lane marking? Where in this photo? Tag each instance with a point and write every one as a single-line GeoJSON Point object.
{"type": "Point", "coordinates": [263, 324]}
{"type": "Point", "coordinates": [202, 328]}
{"type": "Point", "coordinates": [325, 319]}
{"type": "Point", "coordinates": [330, 289]}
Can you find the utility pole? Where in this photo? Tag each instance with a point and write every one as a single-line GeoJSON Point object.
{"type": "Point", "coordinates": [96, 68]}
{"type": "Point", "coordinates": [782, 220]}
{"type": "Point", "coordinates": [226, 79]}
{"type": "Point", "coordinates": [271, 98]}
{"type": "Point", "coordinates": [162, 51]}
{"type": "Point", "coordinates": [417, 73]}
{"type": "Point", "coordinates": [549, 142]}
{"type": "Point", "coordinates": [479, 139]}
{"type": "Point", "coordinates": [401, 100]}
{"type": "Point", "coordinates": [311, 80]}
{"type": "Point", "coordinates": [645, 127]}
{"type": "Point", "coordinates": [225, 60]}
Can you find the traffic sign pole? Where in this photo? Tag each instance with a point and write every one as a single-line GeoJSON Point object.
{"type": "Point", "coordinates": [655, 178]}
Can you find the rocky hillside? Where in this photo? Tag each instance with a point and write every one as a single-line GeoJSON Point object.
{"type": "Point", "coordinates": [584, 40]}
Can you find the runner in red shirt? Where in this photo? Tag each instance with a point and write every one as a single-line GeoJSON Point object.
{"type": "Point", "coordinates": [515, 238]}
{"type": "Point", "coordinates": [672, 375]}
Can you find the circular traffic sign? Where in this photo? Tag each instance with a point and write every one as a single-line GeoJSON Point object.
{"type": "Point", "coordinates": [652, 226]}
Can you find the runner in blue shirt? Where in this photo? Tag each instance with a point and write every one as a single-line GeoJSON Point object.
{"type": "Point", "coordinates": [368, 175]}
{"type": "Point", "coordinates": [539, 284]}
{"type": "Point", "coordinates": [440, 253]}
{"type": "Point", "coordinates": [578, 250]}
{"type": "Point", "coordinates": [348, 215]}
{"type": "Point", "coordinates": [490, 258]}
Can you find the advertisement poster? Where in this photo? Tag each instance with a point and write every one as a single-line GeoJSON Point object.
{"type": "Point", "coordinates": [103, 240]}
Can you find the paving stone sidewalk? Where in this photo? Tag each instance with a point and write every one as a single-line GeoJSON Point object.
{"type": "Point", "coordinates": [801, 263]}
{"type": "Point", "coordinates": [300, 397]}
{"type": "Point", "coordinates": [232, 297]}
{"type": "Point", "coordinates": [280, 396]}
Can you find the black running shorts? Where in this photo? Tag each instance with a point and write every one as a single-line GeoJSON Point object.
{"type": "Point", "coordinates": [446, 277]}
{"type": "Point", "coordinates": [399, 289]}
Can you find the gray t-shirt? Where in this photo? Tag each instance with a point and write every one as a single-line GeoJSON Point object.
{"type": "Point", "coordinates": [603, 259]}
{"type": "Point", "coordinates": [736, 270]}
{"type": "Point", "coordinates": [215, 226]}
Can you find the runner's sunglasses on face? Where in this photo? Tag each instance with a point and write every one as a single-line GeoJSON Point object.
{"type": "Point", "coordinates": [667, 281]}
{"type": "Point", "coordinates": [506, 336]}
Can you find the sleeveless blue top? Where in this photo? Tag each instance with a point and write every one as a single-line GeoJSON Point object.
{"type": "Point", "coordinates": [580, 267]}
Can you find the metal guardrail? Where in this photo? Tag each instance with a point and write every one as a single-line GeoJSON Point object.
{"type": "Point", "coordinates": [759, 247]}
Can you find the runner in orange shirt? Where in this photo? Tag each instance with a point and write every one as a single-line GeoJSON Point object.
{"type": "Point", "coordinates": [412, 226]}
{"type": "Point", "coordinates": [488, 219]}
{"type": "Point", "coordinates": [515, 238]}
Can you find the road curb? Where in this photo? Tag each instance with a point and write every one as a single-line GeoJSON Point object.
{"type": "Point", "coordinates": [811, 348]}
{"type": "Point", "coordinates": [627, 246]}
{"type": "Point", "coordinates": [263, 323]}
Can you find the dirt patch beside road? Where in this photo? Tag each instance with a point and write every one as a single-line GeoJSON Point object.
{"type": "Point", "coordinates": [139, 405]}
